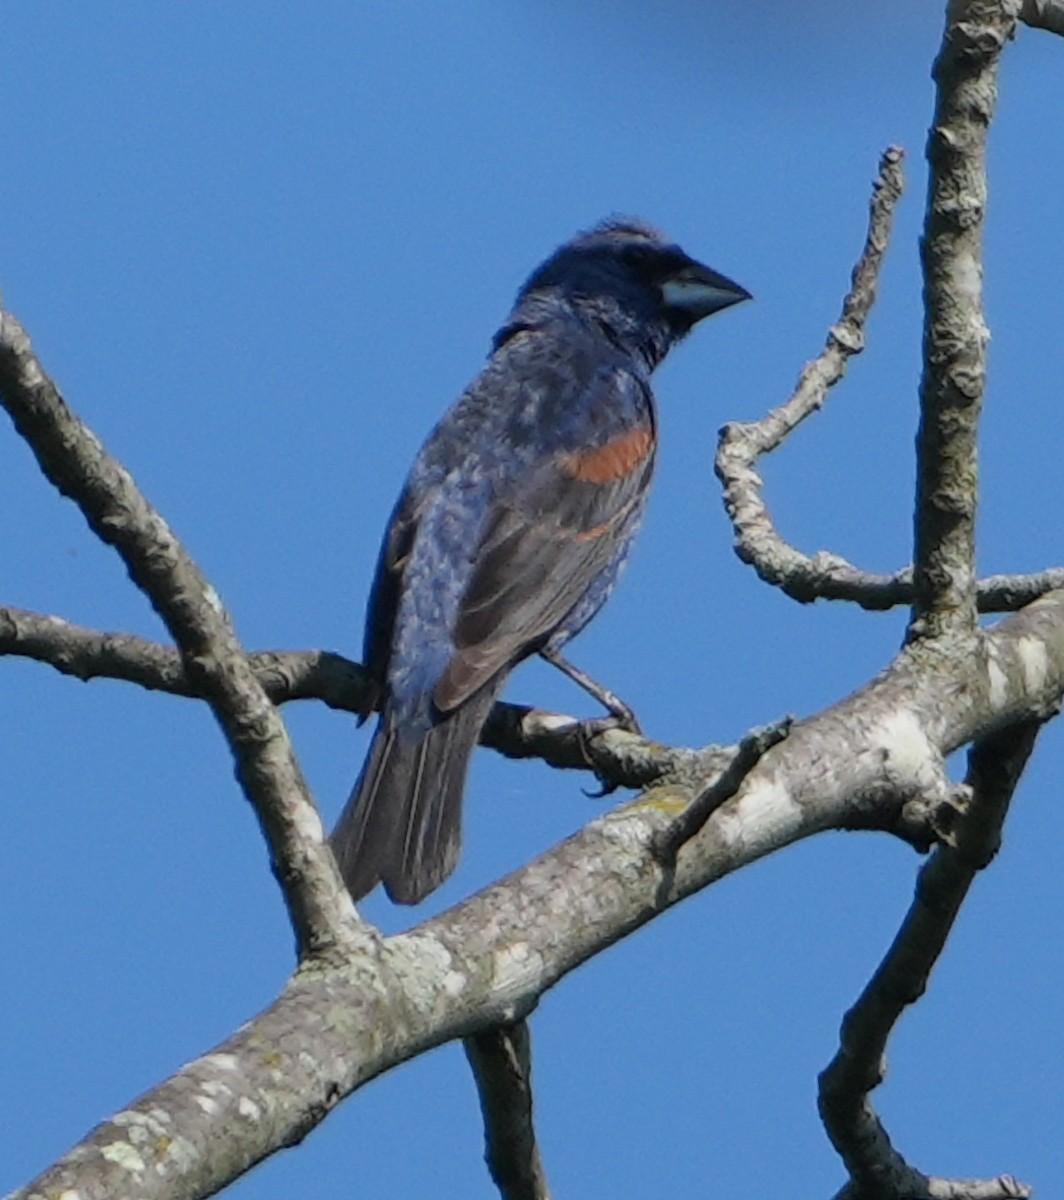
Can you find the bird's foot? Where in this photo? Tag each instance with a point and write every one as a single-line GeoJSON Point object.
{"type": "Point", "coordinates": [586, 733]}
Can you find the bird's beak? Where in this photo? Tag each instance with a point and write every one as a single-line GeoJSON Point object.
{"type": "Point", "coordinates": [700, 291]}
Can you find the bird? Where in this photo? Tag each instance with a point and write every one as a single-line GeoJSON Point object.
{"type": "Point", "coordinates": [509, 534]}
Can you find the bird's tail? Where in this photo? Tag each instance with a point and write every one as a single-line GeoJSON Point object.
{"type": "Point", "coordinates": [402, 825]}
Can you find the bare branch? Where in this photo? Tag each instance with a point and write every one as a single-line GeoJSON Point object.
{"type": "Point", "coordinates": [501, 1059]}
{"type": "Point", "coordinates": [73, 459]}
{"type": "Point", "coordinates": [342, 1022]}
{"type": "Point", "coordinates": [828, 576]}
{"type": "Point", "coordinates": [285, 675]}
{"type": "Point", "coordinates": [1010, 593]}
{"type": "Point", "coordinates": [618, 757]}
{"type": "Point", "coordinates": [1004, 1187]}
{"type": "Point", "coordinates": [741, 444]}
{"type": "Point", "coordinates": [955, 331]}
{"type": "Point", "coordinates": [952, 387]}
{"type": "Point", "coordinates": [877, 1170]}
{"type": "Point", "coordinates": [1043, 14]}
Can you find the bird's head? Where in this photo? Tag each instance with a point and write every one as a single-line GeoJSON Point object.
{"type": "Point", "coordinates": [638, 285]}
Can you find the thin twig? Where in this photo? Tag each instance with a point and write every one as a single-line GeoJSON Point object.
{"type": "Point", "coordinates": [955, 331]}
{"type": "Point", "coordinates": [757, 541]}
{"type": "Point", "coordinates": [1010, 593]}
{"type": "Point", "coordinates": [73, 459]}
{"type": "Point", "coordinates": [1044, 14]}
{"type": "Point", "coordinates": [501, 1059]}
{"type": "Point", "coordinates": [877, 1170]}
{"type": "Point", "coordinates": [748, 754]}
{"type": "Point", "coordinates": [828, 576]}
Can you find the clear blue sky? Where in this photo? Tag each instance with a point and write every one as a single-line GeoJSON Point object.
{"type": "Point", "coordinates": [262, 247]}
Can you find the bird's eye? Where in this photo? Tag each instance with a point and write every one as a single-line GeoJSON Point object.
{"type": "Point", "coordinates": [639, 258]}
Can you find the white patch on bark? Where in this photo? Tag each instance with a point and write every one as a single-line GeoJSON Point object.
{"type": "Point", "coordinates": [224, 1062]}
{"type": "Point", "coordinates": [248, 1108]}
{"type": "Point", "coordinates": [144, 1125]}
{"type": "Point", "coordinates": [762, 812]}
{"type": "Point", "coordinates": [308, 822]}
{"type": "Point", "coordinates": [453, 983]}
{"type": "Point", "coordinates": [967, 277]}
{"type": "Point", "coordinates": [421, 962]}
{"type": "Point", "coordinates": [207, 1104]}
{"type": "Point", "coordinates": [215, 1087]}
{"type": "Point", "coordinates": [213, 599]}
{"type": "Point", "coordinates": [182, 1152]}
{"type": "Point", "coordinates": [999, 684]}
{"type": "Point", "coordinates": [550, 722]}
{"type": "Point", "coordinates": [513, 967]}
{"type": "Point", "coordinates": [627, 826]}
{"type": "Point", "coordinates": [1035, 663]}
{"type": "Point", "coordinates": [910, 759]}
{"type": "Point", "coordinates": [123, 1155]}
{"type": "Point", "coordinates": [154, 1130]}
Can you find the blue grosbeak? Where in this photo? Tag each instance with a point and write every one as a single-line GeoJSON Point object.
{"type": "Point", "coordinates": [515, 521]}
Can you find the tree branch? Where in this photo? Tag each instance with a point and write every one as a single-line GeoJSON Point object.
{"type": "Point", "coordinates": [757, 541]}
{"type": "Point", "coordinates": [501, 1059]}
{"type": "Point", "coordinates": [877, 1170]}
{"type": "Point", "coordinates": [619, 758]}
{"type": "Point", "coordinates": [873, 761]}
{"type": "Point", "coordinates": [1044, 14]}
{"type": "Point", "coordinates": [1010, 593]}
{"type": "Point", "coordinates": [955, 331]}
{"type": "Point", "coordinates": [86, 654]}
{"type": "Point", "coordinates": [747, 755]}
{"type": "Point", "coordinates": [73, 459]}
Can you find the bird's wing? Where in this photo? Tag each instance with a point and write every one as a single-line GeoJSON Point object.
{"type": "Point", "coordinates": [545, 543]}
{"type": "Point", "coordinates": [384, 596]}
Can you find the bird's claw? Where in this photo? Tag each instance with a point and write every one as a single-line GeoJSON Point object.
{"type": "Point", "coordinates": [622, 716]}
{"type": "Point", "coordinates": [586, 733]}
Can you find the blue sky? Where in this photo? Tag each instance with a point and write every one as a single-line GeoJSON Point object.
{"type": "Point", "coordinates": [262, 247]}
